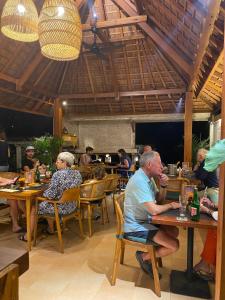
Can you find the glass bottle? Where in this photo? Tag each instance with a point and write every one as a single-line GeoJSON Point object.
{"type": "Point", "coordinates": [195, 207]}
{"type": "Point", "coordinates": [37, 175]}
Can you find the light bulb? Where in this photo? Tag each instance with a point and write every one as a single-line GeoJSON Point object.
{"type": "Point", "coordinates": [21, 9]}
{"type": "Point", "coordinates": [64, 103]}
{"type": "Point", "coordinates": [61, 11]}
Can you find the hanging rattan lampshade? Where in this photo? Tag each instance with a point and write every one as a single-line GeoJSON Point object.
{"type": "Point", "coordinates": [60, 31]}
{"type": "Point", "coordinates": [19, 20]}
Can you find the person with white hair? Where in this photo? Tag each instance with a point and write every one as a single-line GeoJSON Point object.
{"type": "Point", "coordinates": [208, 179]}
{"type": "Point", "coordinates": [65, 178]}
{"type": "Point", "coordinates": [142, 200]}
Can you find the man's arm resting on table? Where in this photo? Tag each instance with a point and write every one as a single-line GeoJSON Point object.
{"type": "Point", "coordinates": [155, 209]}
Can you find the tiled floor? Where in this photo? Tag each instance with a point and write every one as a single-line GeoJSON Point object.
{"type": "Point", "coordinates": [83, 271]}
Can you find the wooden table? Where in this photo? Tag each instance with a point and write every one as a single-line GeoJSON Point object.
{"type": "Point", "coordinates": [111, 168]}
{"type": "Point", "coordinates": [186, 283]}
{"type": "Point", "coordinates": [10, 256]}
{"type": "Point", "coordinates": [27, 196]}
{"type": "Point", "coordinates": [13, 263]}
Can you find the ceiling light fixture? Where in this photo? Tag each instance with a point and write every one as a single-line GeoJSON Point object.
{"type": "Point", "coordinates": [19, 20]}
{"type": "Point", "coordinates": [60, 31]}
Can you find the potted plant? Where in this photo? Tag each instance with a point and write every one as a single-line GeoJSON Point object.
{"type": "Point", "coordinates": [47, 148]}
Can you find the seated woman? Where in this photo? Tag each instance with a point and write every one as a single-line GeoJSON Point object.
{"type": "Point", "coordinates": [205, 268]}
{"type": "Point", "coordinates": [65, 178]}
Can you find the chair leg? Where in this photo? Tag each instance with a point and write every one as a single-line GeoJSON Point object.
{"type": "Point", "coordinates": [81, 226]}
{"type": "Point", "coordinates": [57, 221]}
{"type": "Point", "coordinates": [116, 261]}
{"type": "Point", "coordinates": [89, 219]}
{"type": "Point", "coordinates": [102, 212]}
{"type": "Point", "coordinates": [122, 253]}
{"type": "Point", "coordinates": [35, 224]}
{"type": "Point", "coordinates": [155, 271]}
{"type": "Point", "coordinates": [106, 210]}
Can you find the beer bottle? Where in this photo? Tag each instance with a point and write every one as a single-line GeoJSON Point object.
{"type": "Point", "coordinates": [37, 176]}
{"type": "Point", "coordinates": [195, 207]}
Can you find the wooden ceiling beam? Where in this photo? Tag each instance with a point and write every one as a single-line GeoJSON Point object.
{"type": "Point", "coordinates": [139, 6]}
{"type": "Point", "coordinates": [124, 94]}
{"type": "Point", "coordinates": [217, 62]}
{"type": "Point", "coordinates": [8, 78]}
{"type": "Point", "coordinates": [116, 23]}
{"type": "Point", "coordinates": [89, 75]}
{"type": "Point", "coordinates": [6, 90]}
{"type": "Point", "coordinates": [160, 41]}
{"type": "Point", "coordinates": [24, 110]}
{"type": "Point", "coordinates": [29, 70]}
{"type": "Point", "coordinates": [213, 11]}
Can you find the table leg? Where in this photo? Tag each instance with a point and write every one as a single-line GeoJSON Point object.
{"type": "Point", "coordinates": [186, 283]}
{"type": "Point", "coordinates": [28, 224]}
{"type": "Point", "coordinates": [190, 244]}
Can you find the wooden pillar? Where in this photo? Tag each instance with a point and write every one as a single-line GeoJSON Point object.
{"type": "Point", "coordinates": [188, 126]}
{"type": "Point", "coordinates": [57, 118]}
{"type": "Point", "coordinates": [220, 262]}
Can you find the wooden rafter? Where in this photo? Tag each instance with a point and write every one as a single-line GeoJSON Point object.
{"type": "Point", "coordinates": [29, 70]}
{"type": "Point", "coordinates": [125, 94]}
{"type": "Point", "coordinates": [116, 23]}
{"type": "Point", "coordinates": [6, 90]}
{"type": "Point", "coordinates": [213, 11]}
{"type": "Point", "coordinates": [172, 54]}
{"type": "Point", "coordinates": [8, 78]}
{"type": "Point", "coordinates": [218, 61]}
{"type": "Point", "coordinates": [89, 75]}
{"type": "Point", "coordinates": [24, 110]}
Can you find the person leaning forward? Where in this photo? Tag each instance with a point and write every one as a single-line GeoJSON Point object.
{"type": "Point", "coordinates": [141, 202]}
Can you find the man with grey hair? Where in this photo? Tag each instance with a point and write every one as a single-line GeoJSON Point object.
{"type": "Point", "coordinates": [141, 197]}
{"type": "Point", "coordinates": [208, 179]}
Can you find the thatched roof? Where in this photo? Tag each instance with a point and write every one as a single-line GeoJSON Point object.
{"type": "Point", "coordinates": [148, 69]}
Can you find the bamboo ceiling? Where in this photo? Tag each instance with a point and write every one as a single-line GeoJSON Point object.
{"type": "Point", "coordinates": [161, 48]}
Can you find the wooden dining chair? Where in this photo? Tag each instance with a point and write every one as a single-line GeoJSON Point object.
{"type": "Point", "coordinates": [112, 185]}
{"type": "Point", "coordinates": [121, 242]}
{"type": "Point", "coordinates": [92, 194]}
{"type": "Point", "coordinates": [70, 195]}
{"type": "Point", "coordinates": [9, 283]}
{"type": "Point", "coordinates": [175, 186]}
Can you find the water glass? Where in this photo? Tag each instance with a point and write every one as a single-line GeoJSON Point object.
{"type": "Point", "coordinates": [182, 209]}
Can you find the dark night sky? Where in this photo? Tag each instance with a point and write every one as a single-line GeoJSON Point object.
{"type": "Point", "coordinates": [166, 137]}
{"type": "Point", "coordinates": [20, 125]}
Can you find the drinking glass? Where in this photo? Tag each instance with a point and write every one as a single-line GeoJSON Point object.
{"type": "Point", "coordinates": [182, 209]}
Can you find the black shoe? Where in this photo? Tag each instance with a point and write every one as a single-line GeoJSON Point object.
{"type": "Point", "coordinates": [145, 265]}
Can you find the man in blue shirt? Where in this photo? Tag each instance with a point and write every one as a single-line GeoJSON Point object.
{"type": "Point", "coordinates": [141, 202]}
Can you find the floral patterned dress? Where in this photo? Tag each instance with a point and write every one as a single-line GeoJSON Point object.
{"type": "Point", "coordinates": [61, 180]}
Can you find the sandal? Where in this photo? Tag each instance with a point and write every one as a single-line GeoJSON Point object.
{"type": "Point", "coordinates": [145, 265]}
{"type": "Point", "coordinates": [22, 237]}
{"type": "Point", "coordinates": [207, 276]}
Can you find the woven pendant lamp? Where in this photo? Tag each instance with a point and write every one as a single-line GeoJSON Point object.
{"type": "Point", "coordinates": [60, 31]}
{"type": "Point", "coordinates": [19, 20]}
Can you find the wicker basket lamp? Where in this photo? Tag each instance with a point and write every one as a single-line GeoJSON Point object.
{"type": "Point", "coordinates": [19, 20]}
{"type": "Point", "coordinates": [60, 32]}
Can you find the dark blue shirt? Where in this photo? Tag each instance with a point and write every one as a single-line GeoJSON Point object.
{"type": "Point", "coordinates": [209, 179]}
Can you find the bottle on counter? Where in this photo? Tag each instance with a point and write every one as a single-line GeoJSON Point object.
{"type": "Point", "coordinates": [195, 207]}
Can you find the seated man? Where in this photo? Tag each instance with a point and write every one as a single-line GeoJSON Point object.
{"type": "Point", "coordinates": [208, 179]}
{"type": "Point", "coordinates": [140, 204]}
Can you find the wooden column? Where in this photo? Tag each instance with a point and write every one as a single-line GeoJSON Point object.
{"type": "Point", "coordinates": [57, 119]}
{"type": "Point", "coordinates": [220, 262]}
{"type": "Point", "coordinates": [188, 126]}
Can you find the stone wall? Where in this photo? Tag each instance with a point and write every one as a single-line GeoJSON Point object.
{"type": "Point", "coordinates": [103, 136]}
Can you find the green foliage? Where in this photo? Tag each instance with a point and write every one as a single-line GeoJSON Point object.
{"type": "Point", "coordinates": [47, 148]}
{"type": "Point", "coordinates": [198, 143]}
